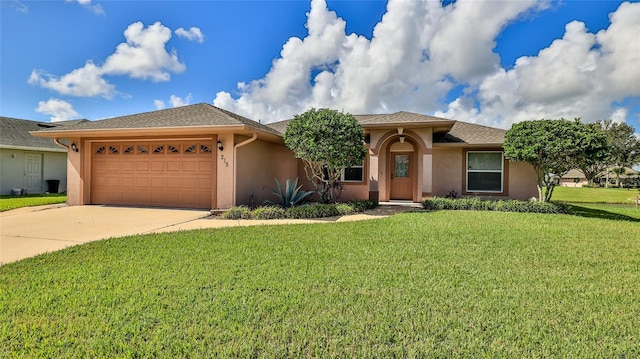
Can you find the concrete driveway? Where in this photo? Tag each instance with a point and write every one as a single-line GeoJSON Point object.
{"type": "Point", "coordinates": [26, 232]}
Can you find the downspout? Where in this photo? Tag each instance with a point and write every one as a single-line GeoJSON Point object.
{"type": "Point", "coordinates": [235, 160]}
{"type": "Point", "coordinates": [57, 141]}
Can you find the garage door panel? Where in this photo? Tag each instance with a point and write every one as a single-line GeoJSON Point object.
{"type": "Point", "coordinates": [128, 165]}
{"type": "Point", "coordinates": [204, 183]}
{"type": "Point", "coordinates": [142, 182]}
{"type": "Point", "coordinates": [128, 181]}
{"type": "Point", "coordinates": [158, 165]}
{"type": "Point", "coordinates": [173, 165]}
{"type": "Point", "coordinates": [204, 166]}
{"type": "Point", "coordinates": [173, 182]}
{"type": "Point", "coordinates": [114, 166]}
{"type": "Point", "coordinates": [157, 182]}
{"type": "Point", "coordinates": [142, 165]}
{"type": "Point", "coordinates": [153, 173]}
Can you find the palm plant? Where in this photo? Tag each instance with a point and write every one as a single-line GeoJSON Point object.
{"type": "Point", "coordinates": [290, 196]}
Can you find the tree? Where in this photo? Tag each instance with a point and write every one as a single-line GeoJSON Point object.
{"type": "Point", "coordinates": [624, 146]}
{"type": "Point", "coordinates": [552, 147]}
{"type": "Point", "coordinates": [593, 165]}
{"type": "Point", "coordinates": [327, 141]}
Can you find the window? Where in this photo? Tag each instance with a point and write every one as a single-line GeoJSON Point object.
{"type": "Point", "coordinates": [485, 171]}
{"type": "Point", "coordinates": [353, 174]}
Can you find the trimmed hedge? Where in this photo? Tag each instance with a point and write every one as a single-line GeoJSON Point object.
{"type": "Point", "coordinates": [306, 211]}
{"type": "Point", "coordinates": [477, 204]}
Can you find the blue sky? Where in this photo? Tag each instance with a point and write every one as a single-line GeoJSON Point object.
{"type": "Point", "coordinates": [493, 63]}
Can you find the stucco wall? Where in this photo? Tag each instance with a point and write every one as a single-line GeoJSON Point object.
{"type": "Point", "coordinates": [447, 171]}
{"type": "Point", "coordinates": [54, 166]}
{"type": "Point", "coordinates": [522, 181]}
{"type": "Point", "coordinates": [258, 164]}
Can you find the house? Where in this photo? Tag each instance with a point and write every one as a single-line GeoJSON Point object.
{"type": "Point", "coordinates": [574, 178]}
{"type": "Point", "coordinates": [201, 156]}
{"type": "Point", "coordinates": [27, 162]}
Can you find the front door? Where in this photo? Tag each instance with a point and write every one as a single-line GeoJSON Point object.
{"type": "Point", "coordinates": [401, 176]}
{"type": "Point", "coordinates": [33, 172]}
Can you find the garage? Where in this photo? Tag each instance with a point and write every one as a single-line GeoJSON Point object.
{"type": "Point", "coordinates": [159, 173]}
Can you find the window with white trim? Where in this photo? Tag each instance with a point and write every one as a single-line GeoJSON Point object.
{"type": "Point", "coordinates": [485, 171]}
{"type": "Point", "coordinates": [353, 174]}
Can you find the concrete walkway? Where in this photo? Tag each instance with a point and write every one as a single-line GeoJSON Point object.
{"type": "Point", "coordinates": [26, 232]}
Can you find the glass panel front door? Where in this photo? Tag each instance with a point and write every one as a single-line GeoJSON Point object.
{"type": "Point", "coordinates": [402, 166]}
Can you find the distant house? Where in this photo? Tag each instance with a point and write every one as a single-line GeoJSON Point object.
{"type": "Point", "coordinates": [27, 162]}
{"type": "Point", "coordinates": [573, 178]}
{"type": "Point", "coordinates": [201, 156]}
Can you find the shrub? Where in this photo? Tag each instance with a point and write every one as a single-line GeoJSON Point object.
{"type": "Point", "coordinates": [239, 212]}
{"type": "Point", "coordinates": [344, 209]}
{"type": "Point", "coordinates": [477, 204]}
{"type": "Point", "coordinates": [307, 211]}
{"type": "Point", "coordinates": [291, 195]}
{"type": "Point", "coordinates": [268, 212]}
{"type": "Point", "coordinates": [316, 210]}
{"type": "Point", "coordinates": [362, 205]}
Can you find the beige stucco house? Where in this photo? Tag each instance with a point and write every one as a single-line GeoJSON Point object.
{"type": "Point", "coordinates": [27, 162]}
{"type": "Point", "coordinates": [201, 156]}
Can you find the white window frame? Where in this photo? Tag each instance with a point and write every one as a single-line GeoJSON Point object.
{"type": "Point", "coordinates": [353, 181]}
{"type": "Point", "coordinates": [485, 171]}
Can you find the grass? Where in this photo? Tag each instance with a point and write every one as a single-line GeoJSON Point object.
{"type": "Point", "coordinates": [595, 195]}
{"type": "Point", "coordinates": [437, 284]}
{"type": "Point", "coordinates": [29, 200]}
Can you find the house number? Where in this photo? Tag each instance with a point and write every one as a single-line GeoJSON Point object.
{"type": "Point", "coordinates": [226, 163]}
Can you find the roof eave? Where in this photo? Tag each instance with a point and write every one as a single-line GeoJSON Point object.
{"type": "Point", "coordinates": [147, 131]}
{"type": "Point", "coordinates": [445, 125]}
{"type": "Point", "coordinates": [31, 148]}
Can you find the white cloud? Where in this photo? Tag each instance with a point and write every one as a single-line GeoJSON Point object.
{"type": "Point", "coordinates": [97, 9]}
{"type": "Point", "coordinates": [193, 34]}
{"type": "Point", "coordinates": [174, 101]}
{"type": "Point", "coordinates": [420, 50]}
{"type": "Point", "coordinates": [20, 6]}
{"type": "Point", "coordinates": [143, 56]}
{"type": "Point", "coordinates": [86, 81]}
{"type": "Point", "coordinates": [58, 109]}
{"type": "Point", "coordinates": [581, 75]}
{"type": "Point", "coordinates": [159, 104]}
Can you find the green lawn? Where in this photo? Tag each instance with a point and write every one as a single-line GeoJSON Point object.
{"type": "Point", "coordinates": [437, 284]}
{"type": "Point", "coordinates": [595, 195]}
{"type": "Point", "coordinates": [29, 200]}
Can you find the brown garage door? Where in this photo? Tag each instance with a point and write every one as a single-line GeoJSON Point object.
{"type": "Point", "coordinates": [153, 173]}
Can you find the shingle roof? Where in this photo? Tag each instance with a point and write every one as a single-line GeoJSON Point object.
{"type": "Point", "coordinates": [201, 114]}
{"type": "Point", "coordinates": [372, 120]}
{"type": "Point", "coordinates": [469, 133]}
{"type": "Point", "coordinates": [14, 132]}
{"type": "Point", "coordinates": [401, 117]}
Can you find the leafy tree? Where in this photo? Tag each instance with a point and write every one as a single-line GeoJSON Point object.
{"type": "Point", "coordinates": [552, 147]}
{"type": "Point", "coordinates": [624, 147]}
{"type": "Point", "coordinates": [593, 165]}
{"type": "Point", "coordinates": [327, 141]}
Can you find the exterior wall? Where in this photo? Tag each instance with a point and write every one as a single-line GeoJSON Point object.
{"type": "Point", "coordinates": [12, 170]}
{"type": "Point", "coordinates": [258, 164]}
{"type": "Point", "coordinates": [447, 171]}
{"type": "Point", "coordinates": [225, 164]}
{"type": "Point", "coordinates": [571, 182]}
{"type": "Point", "coordinates": [76, 195]}
{"type": "Point", "coordinates": [522, 181]}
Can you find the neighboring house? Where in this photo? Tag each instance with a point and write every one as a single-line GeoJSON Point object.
{"type": "Point", "coordinates": [573, 178]}
{"type": "Point", "coordinates": [201, 156]}
{"type": "Point", "coordinates": [26, 162]}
